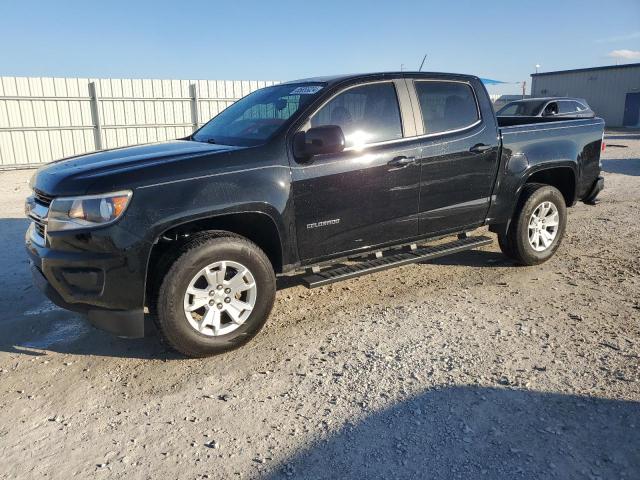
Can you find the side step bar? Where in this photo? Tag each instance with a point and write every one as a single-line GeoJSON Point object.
{"type": "Point", "coordinates": [420, 254]}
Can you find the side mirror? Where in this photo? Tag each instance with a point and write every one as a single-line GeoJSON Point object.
{"type": "Point", "coordinates": [318, 141]}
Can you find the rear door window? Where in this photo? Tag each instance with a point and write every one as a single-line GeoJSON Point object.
{"type": "Point", "coordinates": [446, 106]}
{"type": "Point", "coordinates": [367, 114]}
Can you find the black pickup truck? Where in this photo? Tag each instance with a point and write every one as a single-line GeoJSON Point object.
{"type": "Point", "coordinates": [338, 176]}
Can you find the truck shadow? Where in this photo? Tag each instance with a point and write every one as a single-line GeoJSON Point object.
{"type": "Point", "coordinates": [471, 432]}
{"type": "Point", "coordinates": [67, 333]}
{"type": "Point", "coordinates": [31, 325]}
{"type": "Point", "coordinates": [624, 166]}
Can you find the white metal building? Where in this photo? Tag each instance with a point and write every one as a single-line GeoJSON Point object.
{"type": "Point", "coordinates": [44, 119]}
{"type": "Point", "coordinates": [613, 92]}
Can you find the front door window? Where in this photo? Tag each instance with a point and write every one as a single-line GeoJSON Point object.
{"type": "Point", "coordinates": [367, 114]}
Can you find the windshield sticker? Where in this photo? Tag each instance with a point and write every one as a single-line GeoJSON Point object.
{"type": "Point", "coordinates": [309, 90]}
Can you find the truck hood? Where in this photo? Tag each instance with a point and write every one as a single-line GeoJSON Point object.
{"type": "Point", "coordinates": [76, 175]}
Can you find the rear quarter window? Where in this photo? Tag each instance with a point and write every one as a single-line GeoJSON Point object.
{"type": "Point", "coordinates": [568, 106]}
{"type": "Point", "coordinates": [446, 106]}
{"type": "Point", "coordinates": [580, 107]}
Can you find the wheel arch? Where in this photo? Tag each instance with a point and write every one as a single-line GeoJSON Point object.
{"type": "Point", "coordinates": [255, 225]}
{"type": "Point", "coordinates": [562, 176]}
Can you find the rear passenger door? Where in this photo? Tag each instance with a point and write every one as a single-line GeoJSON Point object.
{"type": "Point", "coordinates": [458, 154]}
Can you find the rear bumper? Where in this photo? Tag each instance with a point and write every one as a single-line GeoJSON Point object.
{"type": "Point", "coordinates": [598, 186]}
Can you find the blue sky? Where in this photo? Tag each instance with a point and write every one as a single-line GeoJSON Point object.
{"type": "Point", "coordinates": [281, 40]}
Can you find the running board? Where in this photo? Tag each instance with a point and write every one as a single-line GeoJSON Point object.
{"type": "Point", "coordinates": [420, 254]}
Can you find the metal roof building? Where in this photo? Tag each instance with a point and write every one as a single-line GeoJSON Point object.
{"type": "Point", "coordinates": [613, 92]}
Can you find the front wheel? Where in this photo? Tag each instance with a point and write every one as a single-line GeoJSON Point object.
{"type": "Point", "coordinates": [216, 296]}
{"type": "Point", "coordinates": [537, 228]}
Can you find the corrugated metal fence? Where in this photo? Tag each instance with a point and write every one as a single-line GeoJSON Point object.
{"type": "Point", "coordinates": [43, 119]}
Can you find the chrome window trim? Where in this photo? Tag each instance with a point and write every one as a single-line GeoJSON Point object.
{"type": "Point", "coordinates": [445, 132]}
{"type": "Point", "coordinates": [417, 137]}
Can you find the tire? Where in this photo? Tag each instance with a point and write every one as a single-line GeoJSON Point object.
{"type": "Point", "coordinates": [214, 253]}
{"type": "Point", "coordinates": [505, 246]}
{"type": "Point", "coordinates": [519, 243]}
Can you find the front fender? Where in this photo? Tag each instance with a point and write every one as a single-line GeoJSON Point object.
{"type": "Point", "coordinates": [155, 209]}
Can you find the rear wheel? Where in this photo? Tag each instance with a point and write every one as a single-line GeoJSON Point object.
{"type": "Point", "coordinates": [216, 296]}
{"type": "Point", "coordinates": [537, 228]}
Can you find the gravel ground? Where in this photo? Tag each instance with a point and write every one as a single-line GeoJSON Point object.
{"type": "Point", "coordinates": [465, 367]}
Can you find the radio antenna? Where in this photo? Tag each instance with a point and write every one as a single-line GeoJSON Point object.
{"type": "Point", "coordinates": [422, 64]}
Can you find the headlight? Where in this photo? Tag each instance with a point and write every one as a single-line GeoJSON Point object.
{"type": "Point", "coordinates": [70, 213]}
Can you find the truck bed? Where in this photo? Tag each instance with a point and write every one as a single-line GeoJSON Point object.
{"type": "Point", "coordinates": [574, 144]}
{"type": "Point", "coordinates": [589, 129]}
{"type": "Point", "coordinates": [506, 121]}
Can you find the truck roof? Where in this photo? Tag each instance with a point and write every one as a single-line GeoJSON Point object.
{"type": "Point", "coordinates": [334, 79]}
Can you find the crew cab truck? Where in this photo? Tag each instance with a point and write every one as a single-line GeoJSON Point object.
{"type": "Point", "coordinates": [356, 169]}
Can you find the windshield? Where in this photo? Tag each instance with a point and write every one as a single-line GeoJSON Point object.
{"type": "Point", "coordinates": [255, 118]}
{"type": "Point", "coordinates": [521, 109]}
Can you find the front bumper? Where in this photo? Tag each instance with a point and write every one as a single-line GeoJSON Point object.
{"type": "Point", "coordinates": [123, 323]}
{"type": "Point", "coordinates": [598, 186]}
{"type": "Point", "coordinates": [89, 274]}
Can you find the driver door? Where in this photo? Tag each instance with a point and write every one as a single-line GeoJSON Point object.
{"type": "Point", "coordinates": [366, 195]}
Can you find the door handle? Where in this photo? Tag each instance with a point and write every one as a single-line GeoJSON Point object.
{"type": "Point", "coordinates": [480, 148]}
{"type": "Point", "coordinates": [402, 161]}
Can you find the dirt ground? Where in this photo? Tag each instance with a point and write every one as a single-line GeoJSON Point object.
{"type": "Point", "coordinates": [465, 367]}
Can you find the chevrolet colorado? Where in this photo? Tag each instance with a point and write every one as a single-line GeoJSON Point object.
{"type": "Point", "coordinates": [340, 176]}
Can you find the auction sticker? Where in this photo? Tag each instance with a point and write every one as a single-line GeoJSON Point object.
{"type": "Point", "coordinates": [308, 90]}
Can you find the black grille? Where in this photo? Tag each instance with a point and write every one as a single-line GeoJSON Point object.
{"type": "Point", "coordinates": [42, 197]}
{"type": "Point", "coordinates": [39, 228]}
{"type": "Point", "coordinates": [39, 224]}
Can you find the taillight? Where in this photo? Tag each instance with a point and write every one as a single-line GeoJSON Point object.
{"type": "Point", "coordinates": [604, 145]}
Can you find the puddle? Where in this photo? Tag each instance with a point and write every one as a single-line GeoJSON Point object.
{"type": "Point", "coordinates": [62, 332]}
